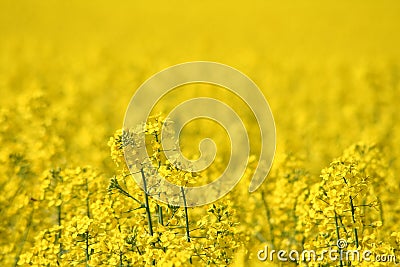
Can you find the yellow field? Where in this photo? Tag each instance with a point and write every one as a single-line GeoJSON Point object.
{"type": "Point", "coordinates": [329, 70]}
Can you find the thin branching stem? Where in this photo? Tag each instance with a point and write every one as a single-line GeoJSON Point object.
{"type": "Point", "coordinates": [353, 212]}
{"type": "Point", "coordinates": [268, 215]}
{"type": "Point", "coordinates": [186, 214]}
{"type": "Point", "coordinates": [338, 237]}
{"type": "Point", "coordinates": [146, 196]}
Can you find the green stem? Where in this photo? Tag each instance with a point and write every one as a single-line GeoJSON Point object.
{"type": "Point", "coordinates": [59, 235]}
{"type": "Point", "coordinates": [24, 238]}
{"type": "Point", "coordinates": [268, 215]}
{"type": "Point", "coordinates": [186, 215]}
{"type": "Point", "coordinates": [381, 215]}
{"type": "Point", "coordinates": [147, 203]}
{"type": "Point", "coordinates": [87, 254]}
{"type": "Point", "coordinates": [338, 237]}
{"type": "Point", "coordinates": [160, 215]}
{"type": "Point", "coordinates": [353, 211]}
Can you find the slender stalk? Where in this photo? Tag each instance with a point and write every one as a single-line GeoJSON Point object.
{"type": "Point", "coordinates": [186, 215]}
{"type": "Point", "coordinates": [24, 238]}
{"type": "Point", "coordinates": [158, 149]}
{"type": "Point", "coordinates": [87, 256]}
{"type": "Point", "coordinates": [338, 237]}
{"type": "Point", "coordinates": [364, 205]}
{"type": "Point", "coordinates": [353, 211]}
{"type": "Point", "coordinates": [87, 253]}
{"type": "Point", "coordinates": [115, 185]}
{"type": "Point", "coordinates": [59, 235]}
{"type": "Point", "coordinates": [147, 203]}
{"type": "Point", "coordinates": [160, 215]}
{"type": "Point", "coordinates": [268, 215]}
{"type": "Point", "coordinates": [59, 221]}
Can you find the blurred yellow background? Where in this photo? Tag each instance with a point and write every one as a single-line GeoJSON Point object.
{"type": "Point", "coordinates": [220, 31]}
{"type": "Point", "coordinates": [97, 53]}
{"type": "Point", "coordinates": [330, 71]}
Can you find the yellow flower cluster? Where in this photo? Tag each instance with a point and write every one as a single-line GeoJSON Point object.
{"type": "Point", "coordinates": [63, 216]}
{"type": "Point", "coordinates": [330, 73]}
{"type": "Point", "coordinates": [344, 205]}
